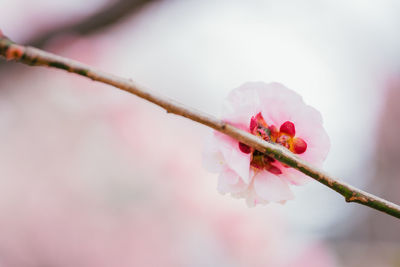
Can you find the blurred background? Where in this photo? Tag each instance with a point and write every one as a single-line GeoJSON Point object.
{"type": "Point", "coordinates": [93, 176]}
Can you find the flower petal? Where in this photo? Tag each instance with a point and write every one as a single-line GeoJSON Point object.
{"type": "Point", "coordinates": [252, 199]}
{"type": "Point", "coordinates": [213, 160]}
{"type": "Point", "coordinates": [230, 182]}
{"type": "Point", "coordinates": [295, 177]}
{"type": "Point", "coordinates": [234, 158]}
{"type": "Point", "coordinates": [271, 187]}
{"type": "Point", "coordinates": [309, 127]}
{"type": "Point", "coordinates": [277, 104]}
{"type": "Point", "coordinates": [241, 105]}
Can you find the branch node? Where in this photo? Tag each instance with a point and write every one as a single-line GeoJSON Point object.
{"type": "Point", "coordinates": [223, 126]}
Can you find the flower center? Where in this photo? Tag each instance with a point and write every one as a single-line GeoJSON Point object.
{"type": "Point", "coordinates": [284, 137]}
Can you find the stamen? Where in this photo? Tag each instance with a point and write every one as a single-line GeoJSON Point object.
{"type": "Point", "coordinates": [284, 137]}
{"type": "Point", "coordinates": [260, 120]}
{"type": "Point", "coordinates": [257, 161]}
{"type": "Point", "coordinates": [273, 132]}
{"type": "Point", "coordinates": [284, 140]}
{"type": "Point", "coordinates": [244, 148]}
{"type": "Point", "coordinates": [299, 145]}
{"type": "Point", "coordinates": [268, 159]}
{"type": "Point", "coordinates": [273, 169]}
{"type": "Point", "coordinates": [288, 128]}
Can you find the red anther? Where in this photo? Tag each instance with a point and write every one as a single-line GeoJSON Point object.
{"type": "Point", "coordinates": [288, 128]}
{"type": "Point", "coordinates": [244, 148]}
{"type": "Point", "coordinates": [273, 169]}
{"type": "Point", "coordinates": [299, 145]}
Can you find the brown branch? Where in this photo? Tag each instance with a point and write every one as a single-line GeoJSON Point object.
{"type": "Point", "coordinates": [35, 57]}
{"type": "Point", "coordinates": [108, 15]}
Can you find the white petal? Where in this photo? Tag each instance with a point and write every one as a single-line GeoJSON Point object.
{"type": "Point", "coordinates": [271, 187]}
{"type": "Point", "coordinates": [230, 182]}
{"type": "Point", "coordinates": [238, 161]}
{"type": "Point", "coordinates": [233, 157]}
{"type": "Point", "coordinates": [296, 177]}
{"type": "Point", "coordinates": [213, 159]}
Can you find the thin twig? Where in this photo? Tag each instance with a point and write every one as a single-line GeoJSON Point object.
{"type": "Point", "coordinates": [102, 18]}
{"type": "Point", "coordinates": [35, 57]}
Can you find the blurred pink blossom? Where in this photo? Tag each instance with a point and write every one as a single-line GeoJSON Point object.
{"type": "Point", "coordinates": [275, 114]}
{"type": "Point", "coordinates": [104, 204]}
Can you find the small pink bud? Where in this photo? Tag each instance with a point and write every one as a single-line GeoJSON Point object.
{"type": "Point", "coordinates": [244, 148]}
{"type": "Point", "coordinates": [288, 128]}
{"type": "Point", "coordinates": [299, 145]}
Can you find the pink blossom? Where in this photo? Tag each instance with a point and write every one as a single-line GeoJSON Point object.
{"type": "Point", "coordinates": [278, 115]}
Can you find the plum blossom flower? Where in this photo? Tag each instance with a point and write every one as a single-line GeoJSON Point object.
{"type": "Point", "coordinates": [277, 115]}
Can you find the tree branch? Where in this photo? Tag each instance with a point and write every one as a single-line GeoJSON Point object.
{"type": "Point", "coordinates": [35, 57]}
{"type": "Point", "coordinates": [106, 16]}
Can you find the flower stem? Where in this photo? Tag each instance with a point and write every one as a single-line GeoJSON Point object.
{"type": "Point", "coordinates": [36, 57]}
